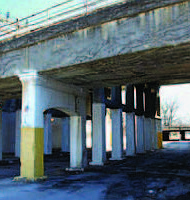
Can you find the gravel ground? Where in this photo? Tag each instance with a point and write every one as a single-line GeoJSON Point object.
{"type": "Point", "coordinates": [162, 174]}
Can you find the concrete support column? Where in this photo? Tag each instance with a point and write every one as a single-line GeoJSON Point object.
{"type": "Point", "coordinates": [117, 125]}
{"type": "Point", "coordinates": [158, 144]}
{"type": "Point", "coordinates": [117, 134]}
{"type": "Point", "coordinates": [147, 119]}
{"type": "Point", "coordinates": [153, 106]}
{"type": "Point", "coordinates": [18, 133]}
{"type": "Point", "coordinates": [147, 133]}
{"type": "Point", "coordinates": [8, 131]}
{"type": "Point", "coordinates": [1, 142]}
{"type": "Point", "coordinates": [99, 132]}
{"type": "Point", "coordinates": [32, 128]}
{"type": "Point", "coordinates": [47, 134]}
{"type": "Point", "coordinates": [76, 142]}
{"type": "Point", "coordinates": [91, 134]}
{"type": "Point", "coordinates": [158, 134]}
{"type": "Point", "coordinates": [153, 134]}
{"type": "Point", "coordinates": [140, 144]}
{"type": "Point", "coordinates": [78, 153]}
{"type": "Point", "coordinates": [65, 147]}
{"type": "Point", "coordinates": [130, 134]}
{"type": "Point", "coordinates": [182, 135]}
{"type": "Point", "coordinates": [130, 121]}
{"type": "Point", "coordinates": [99, 139]}
{"type": "Point", "coordinates": [140, 148]}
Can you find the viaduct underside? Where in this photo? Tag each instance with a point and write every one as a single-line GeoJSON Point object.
{"type": "Point", "coordinates": [137, 45]}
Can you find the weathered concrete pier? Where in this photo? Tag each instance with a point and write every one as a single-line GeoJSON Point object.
{"type": "Point", "coordinates": [76, 69]}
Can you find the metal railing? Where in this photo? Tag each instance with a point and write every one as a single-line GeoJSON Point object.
{"type": "Point", "coordinates": [61, 12]}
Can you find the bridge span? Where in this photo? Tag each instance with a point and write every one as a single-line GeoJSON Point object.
{"type": "Point", "coordinates": [80, 67]}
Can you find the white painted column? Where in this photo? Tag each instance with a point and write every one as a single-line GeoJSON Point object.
{"type": "Point", "coordinates": [147, 133]}
{"type": "Point", "coordinates": [32, 127]}
{"type": "Point", "coordinates": [1, 142]}
{"type": "Point", "coordinates": [91, 133]}
{"type": "Point", "coordinates": [18, 133]}
{"type": "Point", "coordinates": [47, 134]}
{"type": "Point", "coordinates": [78, 153]}
{"type": "Point", "coordinates": [65, 147]}
{"type": "Point", "coordinates": [99, 139]}
{"type": "Point", "coordinates": [140, 148]}
{"type": "Point", "coordinates": [157, 130]}
{"type": "Point", "coordinates": [108, 128]}
{"type": "Point", "coordinates": [130, 134]}
{"type": "Point", "coordinates": [76, 136]}
{"type": "Point", "coordinates": [153, 134]}
{"type": "Point", "coordinates": [117, 134]}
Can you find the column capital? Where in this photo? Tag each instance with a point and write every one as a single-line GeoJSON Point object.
{"type": "Point", "coordinates": [28, 76]}
{"type": "Point", "coordinates": [37, 79]}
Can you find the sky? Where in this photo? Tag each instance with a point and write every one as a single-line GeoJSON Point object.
{"type": "Point", "coordinates": [23, 8]}
{"type": "Point", "coordinates": [181, 94]}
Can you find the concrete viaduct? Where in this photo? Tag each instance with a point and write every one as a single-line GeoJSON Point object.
{"type": "Point", "coordinates": [80, 66]}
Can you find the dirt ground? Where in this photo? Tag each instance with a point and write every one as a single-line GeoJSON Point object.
{"type": "Point", "coordinates": [161, 174]}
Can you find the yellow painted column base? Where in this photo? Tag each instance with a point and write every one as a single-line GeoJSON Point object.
{"type": "Point", "coordinates": [32, 153]}
{"type": "Point", "coordinates": [160, 140]}
{"type": "Point", "coordinates": [28, 180]}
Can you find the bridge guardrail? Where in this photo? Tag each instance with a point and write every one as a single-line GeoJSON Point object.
{"type": "Point", "coordinates": [183, 135]}
{"type": "Point", "coordinates": [63, 11]}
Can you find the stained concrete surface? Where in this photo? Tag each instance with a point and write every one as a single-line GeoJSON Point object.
{"type": "Point", "coordinates": [162, 174]}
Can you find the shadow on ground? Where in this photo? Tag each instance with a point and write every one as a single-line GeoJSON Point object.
{"type": "Point", "coordinates": [162, 174]}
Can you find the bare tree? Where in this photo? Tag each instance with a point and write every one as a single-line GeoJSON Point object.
{"type": "Point", "coordinates": [169, 110]}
